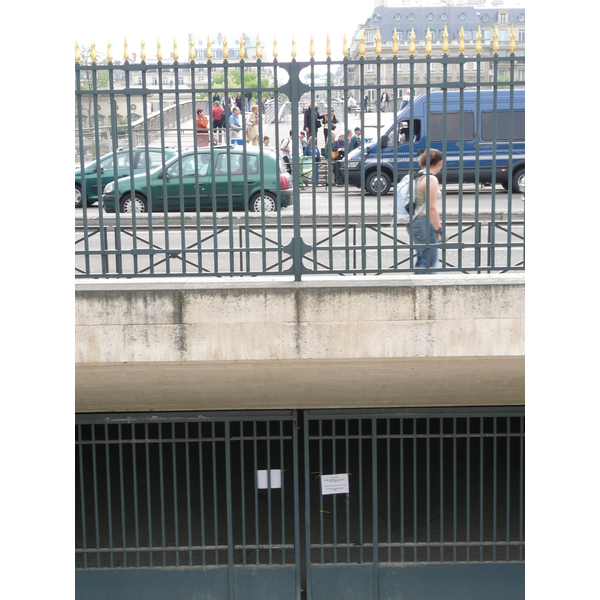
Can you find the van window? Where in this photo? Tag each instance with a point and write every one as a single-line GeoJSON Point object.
{"type": "Point", "coordinates": [403, 132]}
{"type": "Point", "coordinates": [436, 127]}
{"type": "Point", "coordinates": [502, 125]}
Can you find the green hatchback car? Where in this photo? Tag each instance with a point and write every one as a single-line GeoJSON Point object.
{"type": "Point", "coordinates": [107, 170]}
{"type": "Point", "coordinates": [227, 167]}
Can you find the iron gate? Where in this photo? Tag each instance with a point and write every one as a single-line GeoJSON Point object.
{"type": "Point", "coordinates": [209, 505]}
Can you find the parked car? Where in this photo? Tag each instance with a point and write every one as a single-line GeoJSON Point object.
{"type": "Point", "coordinates": [107, 170]}
{"type": "Point", "coordinates": [225, 166]}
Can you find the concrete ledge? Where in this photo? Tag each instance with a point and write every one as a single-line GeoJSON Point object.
{"type": "Point", "coordinates": [188, 343]}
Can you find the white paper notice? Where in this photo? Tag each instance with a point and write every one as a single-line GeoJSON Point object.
{"type": "Point", "coordinates": [275, 479]}
{"type": "Point", "coordinates": [335, 484]}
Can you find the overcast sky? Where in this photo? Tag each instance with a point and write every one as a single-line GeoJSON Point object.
{"type": "Point", "coordinates": [114, 21]}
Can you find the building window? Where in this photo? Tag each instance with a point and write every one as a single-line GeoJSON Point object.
{"type": "Point", "coordinates": [503, 74]}
{"type": "Point", "coordinates": [411, 17]}
{"type": "Point", "coordinates": [462, 17]}
{"type": "Point", "coordinates": [485, 18]}
{"type": "Point", "coordinates": [433, 66]}
{"type": "Point", "coordinates": [503, 18]}
{"type": "Point", "coordinates": [397, 17]}
{"type": "Point", "coordinates": [180, 79]}
{"type": "Point", "coordinates": [154, 81]}
{"type": "Point", "coordinates": [521, 75]}
{"type": "Point", "coordinates": [521, 18]}
{"type": "Point", "coordinates": [370, 68]}
{"type": "Point", "coordinates": [520, 35]}
{"type": "Point", "coordinates": [370, 36]}
{"type": "Point", "coordinates": [443, 16]}
{"type": "Point", "coordinates": [430, 17]}
{"type": "Point", "coordinates": [139, 80]}
{"type": "Point", "coordinates": [400, 67]}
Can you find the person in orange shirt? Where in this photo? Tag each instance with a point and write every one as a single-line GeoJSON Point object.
{"type": "Point", "coordinates": [202, 128]}
{"type": "Point", "coordinates": [217, 114]}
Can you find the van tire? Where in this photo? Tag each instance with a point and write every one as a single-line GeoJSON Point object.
{"type": "Point", "coordinates": [517, 177]}
{"type": "Point", "coordinates": [373, 183]}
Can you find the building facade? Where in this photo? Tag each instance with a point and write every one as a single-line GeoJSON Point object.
{"type": "Point", "coordinates": [436, 19]}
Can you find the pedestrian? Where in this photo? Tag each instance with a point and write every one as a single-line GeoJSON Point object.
{"type": "Point", "coordinates": [202, 128]}
{"type": "Point", "coordinates": [308, 115]}
{"type": "Point", "coordinates": [218, 115]}
{"type": "Point", "coordinates": [235, 124]}
{"type": "Point", "coordinates": [238, 101]}
{"type": "Point", "coordinates": [286, 151]}
{"type": "Point", "coordinates": [303, 143]}
{"type": "Point", "coordinates": [329, 122]}
{"type": "Point", "coordinates": [252, 126]}
{"type": "Point", "coordinates": [216, 97]}
{"type": "Point", "coordinates": [385, 100]}
{"type": "Point", "coordinates": [337, 155]}
{"type": "Point", "coordinates": [366, 102]}
{"type": "Point", "coordinates": [423, 228]}
{"type": "Point", "coordinates": [354, 141]}
{"type": "Point", "coordinates": [248, 96]}
{"type": "Point", "coordinates": [312, 150]}
{"type": "Point", "coordinates": [266, 141]}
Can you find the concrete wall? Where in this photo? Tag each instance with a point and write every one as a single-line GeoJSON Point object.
{"type": "Point", "coordinates": [198, 345]}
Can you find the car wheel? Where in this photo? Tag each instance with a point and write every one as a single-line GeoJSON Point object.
{"type": "Point", "coordinates": [518, 181]}
{"type": "Point", "coordinates": [268, 201]}
{"type": "Point", "coordinates": [127, 204]}
{"type": "Point", "coordinates": [77, 196]}
{"type": "Point", "coordinates": [375, 183]}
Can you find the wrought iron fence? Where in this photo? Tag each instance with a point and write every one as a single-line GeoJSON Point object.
{"type": "Point", "coordinates": [219, 494]}
{"type": "Point", "coordinates": [339, 216]}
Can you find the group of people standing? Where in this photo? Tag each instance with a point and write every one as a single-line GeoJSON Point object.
{"type": "Point", "coordinates": [220, 111]}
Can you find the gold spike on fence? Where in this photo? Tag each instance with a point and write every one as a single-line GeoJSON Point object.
{"type": "Point", "coordinates": [513, 45]}
{"type": "Point", "coordinates": [478, 43]}
{"type": "Point", "coordinates": [445, 42]}
{"type": "Point", "coordinates": [328, 46]}
{"type": "Point", "coordinates": [208, 48]}
{"type": "Point", "coordinates": [345, 47]}
{"type": "Point", "coordinates": [258, 48]}
{"type": "Point", "coordinates": [143, 50]}
{"type": "Point", "coordinates": [312, 47]}
{"type": "Point", "coordinates": [461, 41]}
{"type": "Point", "coordinates": [109, 55]}
{"type": "Point", "coordinates": [428, 42]}
{"type": "Point", "coordinates": [125, 50]}
{"type": "Point", "coordinates": [77, 53]}
{"type": "Point", "coordinates": [495, 45]}
{"type": "Point", "coordinates": [175, 53]}
{"type": "Point", "coordinates": [293, 47]}
{"type": "Point", "coordinates": [158, 50]}
{"type": "Point", "coordinates": [242, 48]}
{"type": "Point", "coordinates": [378, 44]}
{"type": "Point", "coordinates": [192, 49]}
{"type": "Point", "coordinates": [275, 51]}
{"type": "Point", "coordinates": [93, 52]}
{"type": "Point", "coordinates": [411, 46]}
{"type": "Point", "coordinates": [361, 47]}
{"type": "Point", "coordinates": [225, 50]}
{"type": "Point", "coordinates": [395, 43]}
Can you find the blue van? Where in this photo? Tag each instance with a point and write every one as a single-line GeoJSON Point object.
{"type": "Point", "coordinates": [483, 159]}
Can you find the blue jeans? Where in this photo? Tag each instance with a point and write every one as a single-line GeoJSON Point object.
{"type": "Point", "coordinates": [423, 254]}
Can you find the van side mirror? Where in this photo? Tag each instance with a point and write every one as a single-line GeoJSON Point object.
{"type": "Point", "coordinates": [384, 141]}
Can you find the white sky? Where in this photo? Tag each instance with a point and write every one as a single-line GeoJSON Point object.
{"type": "Point", "coordinates": [269, 18]}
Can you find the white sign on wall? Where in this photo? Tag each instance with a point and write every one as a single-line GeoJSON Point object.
{"type": "Point", "coordinates": [334, 484]}
{"type": "Point", "coordinates": [275, 479]}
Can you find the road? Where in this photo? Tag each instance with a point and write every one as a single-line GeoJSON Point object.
{"type": "Point", "coordinates": [319, 203]}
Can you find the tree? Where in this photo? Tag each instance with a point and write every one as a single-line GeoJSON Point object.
{"type": "Point", "coordinates": [234, 80]}
{"type": "Point", "coordinates": [88, 102]}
